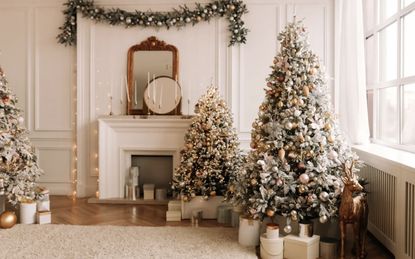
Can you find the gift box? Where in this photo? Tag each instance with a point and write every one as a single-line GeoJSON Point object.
{"type": "Point", "coordinates": [301, 247]}
{"type": "Point", "coordinates": [271, 248]}
{"type": "Point", "coordinates": [175, 206]}
{"type": "Point", "coordinates": [173, 216]}
{"type": "Point", "coordinates": [43, 217]}
{"type": "Point", "coordinates": [148, 190]}
{"type": "Point", "coordinates": [28, 212]}
{"type": "Point", "coordinates": [43, 205]}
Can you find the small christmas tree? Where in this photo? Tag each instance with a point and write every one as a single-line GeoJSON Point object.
{"type": "Point", "coordinates": [210, 157]}
{"type": "Point", "coordinates": [18, 168]}
{"type": "Point", "coordinates": [295, 164]}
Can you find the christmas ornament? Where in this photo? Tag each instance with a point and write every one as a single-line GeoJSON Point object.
{"type": "Point", "coordinates": [323, 219]}
{"type": "Point", "coordinates": [287, 229]}
{"type": "Point", "coordinates": [7, 219]}
{"type": "Point", "coordinates": [324, 196]}
{"type": "Point", "coordinates": [212, 193]}
{"type": "Point", "coordinates": [306, 91]}
{"type": "Point", "coordinates": [302, 189]}
{"type": "Point", "coordinates": [281, 154]}
{"type": "Point", "coordinates": [330, 139]}
{"type": "Point", "coordinates": [20, 120]}
{"type": "Point", "coordinates": [270, 213]}
{"type": "Point", "coordinates": [304, 178]}
{"type": "Point", "coordinates": [280, 77]}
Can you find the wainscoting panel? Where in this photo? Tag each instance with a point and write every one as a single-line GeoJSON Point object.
{"type": "Point", "coordinates": [41, 73]}
{"type": "Point", "coordinates": [57, 175]}
{"type": "Point", "coordinates": [53, 73]}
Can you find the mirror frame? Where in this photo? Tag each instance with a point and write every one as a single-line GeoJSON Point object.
{"type": "Point", "coordinates": [150, 44]}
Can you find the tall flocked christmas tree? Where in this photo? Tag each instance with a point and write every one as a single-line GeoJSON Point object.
{"type": "Point", "coordinates": [295, 164]}
{"type": "Point", "coordinates": [211, 156]}
{"type": "Point", "coordinates": [18, 169]}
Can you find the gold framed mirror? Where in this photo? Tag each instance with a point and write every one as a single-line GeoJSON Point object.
{"type": "Point", "coordinates": [146, 61]}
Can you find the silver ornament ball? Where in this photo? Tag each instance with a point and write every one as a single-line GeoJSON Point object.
{"type": "Point", "coordinates": [323, 219]}
{"type": "Point", "coordinates": [324, 196]}
{"type": "Point", "coordinates": [304, 178]}
{"type": "Point", "coordinates": [288, 229]}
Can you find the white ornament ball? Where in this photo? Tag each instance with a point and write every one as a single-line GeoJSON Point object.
{"type": "Point", "coordinates": [288, 125]}
{"type": "Point", "coordinates": [324, 196]}
{"type": "Point", "coordinates": [261, 162]}
{"type": "Point", "coordinates": [304, 178]}
{"type": "Point", "coordinates": [20, 120]}
{"type": "Point", "coordinates": [187, 19]}
{"type": "Point", "coordinates": [323, 219]}
{"type": "Point", "coordinates": [288, 229]}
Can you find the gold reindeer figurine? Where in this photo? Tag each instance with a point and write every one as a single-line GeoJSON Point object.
{"type": "Point", "coordinates": [353, 210]}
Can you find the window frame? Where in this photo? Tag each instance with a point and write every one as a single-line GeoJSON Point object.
{"type": "Point", "coordinates": [375, 84]}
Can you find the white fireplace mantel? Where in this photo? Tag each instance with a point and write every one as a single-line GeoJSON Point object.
{"type": "Point", "coordinates": [120, 137]}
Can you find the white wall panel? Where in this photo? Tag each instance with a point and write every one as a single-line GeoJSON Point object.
{"type": "Point", "coordinates": [53, 73]}
{"type": "Point", "coordinates": [256, 58]}
{"type": "Point", "coordinates": [41, 74]}
{"type": "Point", "coordinates": [14, 50]}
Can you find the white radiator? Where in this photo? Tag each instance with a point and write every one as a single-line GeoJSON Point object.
{"type": "Point", "coordinates": [391, 201]}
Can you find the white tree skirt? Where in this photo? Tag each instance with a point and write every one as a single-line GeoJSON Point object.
{"type": "Point", "coordinates": [67, 241]}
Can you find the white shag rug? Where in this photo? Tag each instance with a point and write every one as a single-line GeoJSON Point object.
{"type": "Point", "coordinates": [67, 241]}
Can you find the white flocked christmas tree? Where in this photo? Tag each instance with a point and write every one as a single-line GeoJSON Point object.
{"type": "Point", "coordinates": [295, 163]}
{"type": "Point", "coordinates": [210, 158]}
{"type": "Point", "coordinates": [18, 169]}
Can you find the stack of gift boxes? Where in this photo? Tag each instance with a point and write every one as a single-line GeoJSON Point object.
{"type": "Point", "coordinates": [174, 212]}
{"type": "Point", "coordinates": [43, 214]}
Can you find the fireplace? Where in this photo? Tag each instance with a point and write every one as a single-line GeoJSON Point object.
{"type": "Point", "coordinates": [123, 138]}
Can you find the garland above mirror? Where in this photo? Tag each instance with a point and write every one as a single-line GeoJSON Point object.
{"type": "Point", "coordinates": [231, 9]}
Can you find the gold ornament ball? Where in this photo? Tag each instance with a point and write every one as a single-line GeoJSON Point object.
{"type": "Point", "coordinates": [232, 7]}
{"type": "Point", "coordinates": [270, 212]}
{"type": "Point", "coordinates": [280, 104]}
{"type": "Point", "coordinates": [281, 154]}
{"type": "Point", "coordinates": [330, 139]}
{"type": "Point", "coordinates": [327, 127]}
{"type": "Point", "coordinates": [185, 198]}
{"type": "Point", "coordinates": [306, 91]}
{"type": "Point", "coordinates": [254, 182]}
{"type": "Point", "coordinates": [8, 219]}
{"type": "Point", "coordinates": [212, 193]}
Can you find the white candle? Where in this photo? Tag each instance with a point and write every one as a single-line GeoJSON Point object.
{"type": "Point", "coordinates": [148, 85]}
{"type": "Point", "coordinates": [135, 92]}
{"type": "Point", "coordinates": [126, 89]}
{"type": "Point", "coordinates": [121, 91]}
{"type": "Point", "coordinates": [161, 96]}
{"type": "Point", "coordinates": [175, 91]}
{"type": "Point", "coordinates": [154, 88]}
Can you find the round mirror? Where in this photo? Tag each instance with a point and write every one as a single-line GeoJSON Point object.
{"type": "Point", "coordinates": [162, 95]}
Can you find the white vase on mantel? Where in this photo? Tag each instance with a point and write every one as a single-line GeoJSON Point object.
{"type": "Point", "coordinates": [249, 231]}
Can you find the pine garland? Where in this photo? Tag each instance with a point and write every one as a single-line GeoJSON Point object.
{"type": "Point", "coordinates": [231, 9]}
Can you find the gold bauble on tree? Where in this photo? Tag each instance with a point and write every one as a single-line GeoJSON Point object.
{"type": "Point", "coordinates": [270, 212]}
{"type": "Point", "coordinates": [8, 219]}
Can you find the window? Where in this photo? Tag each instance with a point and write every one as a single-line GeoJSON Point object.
{"type": "Point", "coordinates": [390, 71]}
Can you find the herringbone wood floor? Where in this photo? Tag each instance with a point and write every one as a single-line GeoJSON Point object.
{"type": "Point", "coordinates": [80, 212]}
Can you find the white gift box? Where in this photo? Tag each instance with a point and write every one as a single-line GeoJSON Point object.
{"type": "Point", "coordinates": [271, 248]}
{"type": "Point", "coordinates": [148, 190]}
{"type": "Point", "coordinates": [28, 213]}
{"type": "Point", "coordinates": [44, 217]}
{"type": "Point", "coordinates": [248, 231]}
{"type": "Point", "coordinates": [209, 207]}
{"type": "Point", "coordinates": [43, 205]}
{"type": "Point", "coordinates": [175, 206]}
{"type": "Point", "coordinates": [301, 247]}
{"type": "Point", "coordinates": [173, 216]}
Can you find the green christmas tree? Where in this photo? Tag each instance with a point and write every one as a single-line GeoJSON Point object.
{"type": "Point", "coordinates": [18, 169]}
{"type": "Point", "coordinates": [211, 156]}
{"type": "Point", "coordinates": [295, 164]}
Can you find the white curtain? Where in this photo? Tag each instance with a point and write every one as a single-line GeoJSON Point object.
{"type": "Point", "coordinates": [350, 77]}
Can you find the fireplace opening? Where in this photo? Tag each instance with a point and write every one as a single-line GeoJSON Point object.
{"type": "Point", "coordinates": [154, 169]}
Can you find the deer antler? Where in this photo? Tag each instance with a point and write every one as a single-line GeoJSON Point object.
{"type": "Point", "coordinates": [348, 171]}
